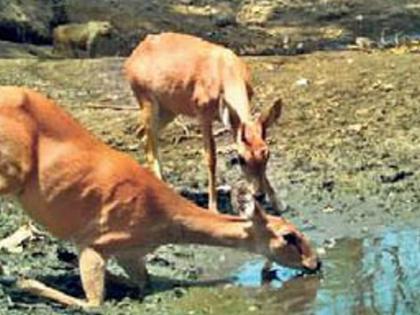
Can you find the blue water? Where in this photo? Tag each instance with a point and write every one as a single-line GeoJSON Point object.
{"type": "Point", "coordinates": [375, 275]}
{"type": "Point", "coordinates": [250, 275]}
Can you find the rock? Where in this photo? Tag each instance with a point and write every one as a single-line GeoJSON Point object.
{"type": "Point", "coordinates": [17, 50]}
{"type": "Point", "coordinates": [300, 48]}
{"type": "Point", "coordinates": [253, 308]}
{"type": "Point", "coordinates": [13, 243]}
{"type": "Point", "coordinates": [387, 87]}
{"type": "Point", "coordinates": [224, 15]}
{"type": "Point", "coordinates": [133, 147]}
{"type": "Point", "coordinates": [355, 127]}
{"type": "Point", "coordinates": [302, 82]}
{"type": "Point", "coordinates": [225, 19]}
{"type": "Point", "coordinates": [26, 21]}
{"type": "Point", "coordinates": [328, 209]}
{"type": "Point", "coordinates": [330, 243]}
{"type": "Point", "coordinates": [321, 251]}
{"type": "Point", "coordinates": [365, 43]}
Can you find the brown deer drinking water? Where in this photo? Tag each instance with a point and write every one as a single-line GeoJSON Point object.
{"type": "Point", "coordinates": [173, 74]}
{"type": "Point", "coordinates": [81, 190]}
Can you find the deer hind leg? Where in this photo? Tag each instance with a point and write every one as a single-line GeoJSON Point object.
{"type": "Point", "coordinates": [16, 155]}
{"type": "Point", "coordinates": [135, 268]}
{"type": "Point", "coordinates": [92, 272]}
{"type": "Point", "coordinates": [16, 160]}
{"type": "Point", "coordinates": [149, 122]}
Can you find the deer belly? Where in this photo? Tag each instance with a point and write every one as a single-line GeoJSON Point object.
{"type": "Point", "coordinates": [178, 104]}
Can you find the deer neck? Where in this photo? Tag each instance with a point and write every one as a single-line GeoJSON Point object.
{"type": "Point", "coordinates": [196, 225]}
{"type": "Point", "coordinates": [234, 107]}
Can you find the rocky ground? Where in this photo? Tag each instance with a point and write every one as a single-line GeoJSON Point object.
{"type": "Point", "coordinates": [258, 27]}
{"type": "Point", "coordinates": [345, 155]}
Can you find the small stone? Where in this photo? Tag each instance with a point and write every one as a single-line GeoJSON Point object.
{"type": "Point", "coordinates": [269, 67]}
{"type": "Point", "coordinates": [328, 209]}
{"type": "Point", "coordinates": [355, 127]}
{"type": "Point", "coordinates": [133, 147]}
{"type": "Point", "coordinates": [330, 243]}
{"type": "Point", "coordinates": [388, 87]}
{"type": "Point", "coordinates": [302, 82]}
{"type": "Point", "coordinates": [224, 188]}
{"type": "Point", "coordinates": [321, 251]}
{"type": "Point", "coordinates": [365, 43]}
{"type": "Point", "coordinates": [300, 48]}
{"type": "Point", "coordinates": [252, 308]}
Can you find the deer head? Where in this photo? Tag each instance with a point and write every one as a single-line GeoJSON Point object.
{"type": "Point", "coordinates": [274, 237]}
{"type": "Point", "coordinates": [252, 149]}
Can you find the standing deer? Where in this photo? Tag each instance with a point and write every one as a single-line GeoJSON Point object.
{"type": "Point", "coordinates": [81, 190]}
{"type": "Point", "coordinates": [173, 74]}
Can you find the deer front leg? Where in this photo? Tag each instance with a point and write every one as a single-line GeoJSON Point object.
{"type": "Point", "coordinates": [278, 206]}
{"type": "Point", "coordinates": [210, 157]}
{"type": "Point", "coordinates": [92, 272]}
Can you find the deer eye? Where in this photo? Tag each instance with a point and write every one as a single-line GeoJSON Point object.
{"type": "Point", "coordinates": [241, 160]}
{"type": "Point", "coordinates": [290, 238]}
{"type": "Point", "coordinates": [264, 133]}
{"type": "Point", "coordinates": [265, 153]}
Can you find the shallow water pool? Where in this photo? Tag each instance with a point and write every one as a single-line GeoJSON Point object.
{"type": "Point", "coordinates": [375, 275]}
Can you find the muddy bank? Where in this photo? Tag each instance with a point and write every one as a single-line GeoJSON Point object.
{"type": "Point", "coordinates": [348, 140]}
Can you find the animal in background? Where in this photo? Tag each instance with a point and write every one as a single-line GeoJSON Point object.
{"type": "Point", "coordinates": [80, 39]}
{"type": "Point", "coordinates": [176, 74]}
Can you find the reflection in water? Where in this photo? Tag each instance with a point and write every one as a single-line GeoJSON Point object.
{"type": "Point", "coordinates": [250, 274]}
{"type": "Point", "coordinates": [379, 275]}
{"type": "Point", "coordinates": [296, 295]}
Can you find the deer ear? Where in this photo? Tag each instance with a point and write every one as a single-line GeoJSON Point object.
{"type": "Point", "coordinates": [244, 202]}
{"type": "Point", "coordinates": [241, 135]}
{"type": "Point", "coordinates": [272, 114]}
{"type": "Point", "coordinates": [259, 216]}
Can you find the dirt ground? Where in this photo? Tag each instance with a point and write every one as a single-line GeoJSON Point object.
{"type": "Point", "coordinates": [345, 156]}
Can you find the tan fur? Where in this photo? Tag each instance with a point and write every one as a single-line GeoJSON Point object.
{"type": "Point", "coordinates": [81, 190]}
{"type": "Point", "coordinates": [173, 74]}
{"type": "Point", "coordinates": [70, 39]}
